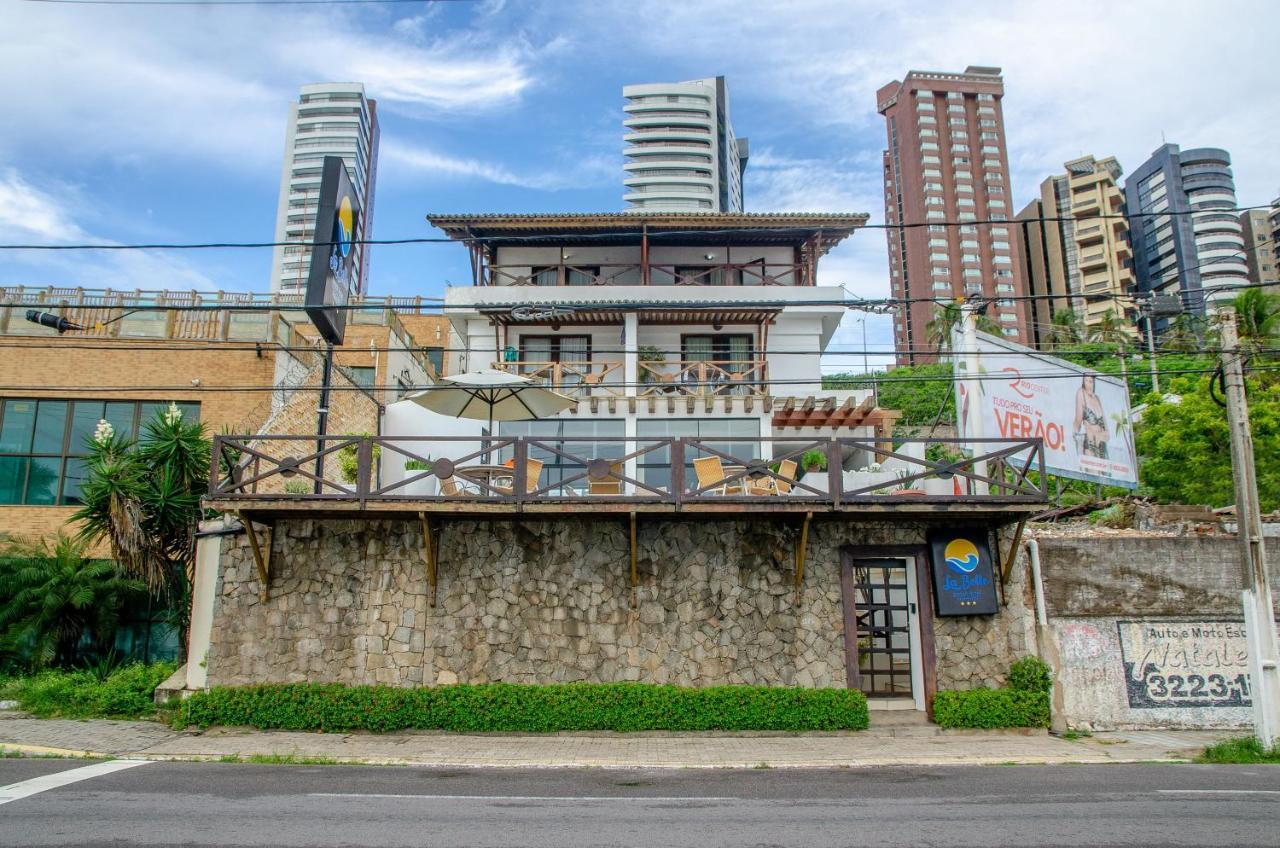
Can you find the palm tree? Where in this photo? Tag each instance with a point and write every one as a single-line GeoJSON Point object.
{"type": "Point", "coordinates": [946, 319]}
{"type": "Point", "coordinates": [1110, 330]}
{"type": "Point", "coordinates": [1066, 328]}
{"type": "Point", "coordinates": [1257, 318]}
{"type": "Point", "coordinates": [1184, 334]}
{"type": "Point", "coordinates": [51, 597]}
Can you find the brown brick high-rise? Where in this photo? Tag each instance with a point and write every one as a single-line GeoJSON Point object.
{"type": "Point", "coordinates": [946, 171]}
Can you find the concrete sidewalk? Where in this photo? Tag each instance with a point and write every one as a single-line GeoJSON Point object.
{"type": "Point", "coordinates": [889, 744]}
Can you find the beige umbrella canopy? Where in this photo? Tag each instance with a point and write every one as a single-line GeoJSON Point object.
{"type": "Point", "coordinates": [493, 395]}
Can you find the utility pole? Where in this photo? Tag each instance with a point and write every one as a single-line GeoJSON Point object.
{"type": "Point", "coordinates": [1259, 620]}
{"type": "Point", "coordinates": [1151, 351]}
{"type": "Point", "coordinates": [966, 363]}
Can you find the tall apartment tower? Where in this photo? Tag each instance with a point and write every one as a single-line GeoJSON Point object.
{"type": "Point", "coordinates": [946, 170]}
{"type": "Point", "coordinates": [1186, 230]}
{"type": "Point", "coordinates": [1072, 257]}
{"type": "Point", "coordinates": [329, 119]}
{"type": "Point", "coordinates": [681, 152]}
{"type": "Point", "coordinates": [1262, 252]}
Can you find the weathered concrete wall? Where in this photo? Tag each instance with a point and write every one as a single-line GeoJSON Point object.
{"type": "Point", "coordinates": [550, 601]}
{"type": "Point", "coordinates": [1145, 631]}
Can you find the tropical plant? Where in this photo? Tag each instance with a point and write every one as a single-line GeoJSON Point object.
{"type": "Point", "coordinates": [1066, 329]}
{"type": "Point", "coordinates": [53, 597]}
{"type": "Point", "coordinates": [143, 500]}
{"type": "Point", "coordinates": [946, 318]}
{"type": "Point", "coordinates": [297, 487]}
{"type": "Point", "coordinates": [1257, 319]}
{"type": "Point", "coordinates": [349, 457]}
{"type": "Point", "coordinates": [651, 355]}
{"type": "Point", "coordinates": [813, 460]}
{"type": "Point", "coordinates": [1111, 331]}
{"type": "Point", "coordinates": [418, 465]}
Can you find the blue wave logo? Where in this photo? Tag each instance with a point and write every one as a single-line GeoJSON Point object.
{"type": "Point", "coordinates": [962, 555]}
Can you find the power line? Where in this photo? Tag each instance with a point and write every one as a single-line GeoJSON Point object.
{"type": "Point", "coordinates": [176, 3]}
{"type": "Point", "coordinates": [597, 235]}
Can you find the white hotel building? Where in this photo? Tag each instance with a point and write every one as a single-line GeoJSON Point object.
{"type": "Point", "coordinates": [329, 119]}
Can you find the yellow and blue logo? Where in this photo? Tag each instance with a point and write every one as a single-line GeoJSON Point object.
{"type": "Point", "coordinates": [344, 227]}
{"type": "Point", "coordinates": [962, 555]}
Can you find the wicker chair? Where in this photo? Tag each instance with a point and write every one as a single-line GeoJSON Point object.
{"type": "Point", "coordinates": [710, 473]}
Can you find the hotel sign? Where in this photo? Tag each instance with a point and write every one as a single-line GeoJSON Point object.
{"type": "Point", "coordinates": [964, 580]}
{"type": "Point", "coordinates": [333, 256]}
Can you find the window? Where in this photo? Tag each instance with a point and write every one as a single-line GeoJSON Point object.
{"type": "Point", "coordinates": [43, 442]}
{"type": "Point", "coordinates": [959, 148]}
{"type": "Point", "coordinates": [549, 275]}
{"type": "Point", "coordinates": [938, 257]}
{"type": "Point", "coordinates": [928, 133]}
{"type": "Point", "coordinates": [933, 200]}
{"type": "Point", "coordinates": [435, 355]}
{"type": "Point", "coordinates": [1000, 245]}
{"type": "Point", "coordinates": [933, 186]}
{"type": "Point", "coordinates": [971, 258]}
{"type": "Point", "coordinates": [539, 351]}
{"type": "Point", "coordinates": [971, 244]}
{"type": "Point", "coordinates": [930, 160]}
{"type": "Point", "coordinates": [999, 232]}
{"type": "Point", "coordinates": [937, 242]}
{"type": "Point", "coordinates": [560, 434]}
{"type": "Point", "coordinates": [363, 376]}
{"type": "Point", "coordinates": [941, 286]}
{"type": "Point", "coordinates": [734, 436]}
{"type": "Point", "coordinates": [932, 172]}
{"type": "Point", "coordinates": [963, 175]}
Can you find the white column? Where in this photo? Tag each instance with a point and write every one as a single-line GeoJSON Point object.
{"type": "Point", "coordinates": [208, 561]}
{"type": "Point", "coordinates": [631, 376]}
{"type": "Point", "coordinates": [966, 365]}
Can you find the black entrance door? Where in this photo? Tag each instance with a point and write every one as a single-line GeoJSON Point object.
{"type": "Point", "coordinates": [878, 617]}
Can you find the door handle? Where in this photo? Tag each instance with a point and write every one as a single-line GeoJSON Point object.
{"type": "Point", "coordinates": [912, 608]}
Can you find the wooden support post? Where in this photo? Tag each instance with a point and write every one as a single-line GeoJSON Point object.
{"type": "Point", "coordinates": [800, 550]}
{"type": "Point", "coordinates": [1012, 555]}
{"type": "Point", "coordinates": [261, 558]}
{"type": "Point", "coordinates": [430, 554]}
{"type": "Point", "coordinates": [635, 571]}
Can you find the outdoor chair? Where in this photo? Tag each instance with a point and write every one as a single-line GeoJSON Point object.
{"type": "Point", "coordinates": [710, 473]}
{"type": "Point", "coordinates": [610, 485]}
{"type": "Point", "coordinates": [452, 487]}
{"type": "Point", "coordinates": [532, 470]}
{"type": "Point", "coordinates": [774, 486]}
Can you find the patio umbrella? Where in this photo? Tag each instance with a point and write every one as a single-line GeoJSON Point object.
{"type": "Point", "coordinates": [493, 395]}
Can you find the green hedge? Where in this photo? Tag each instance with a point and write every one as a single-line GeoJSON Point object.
{"type": "Point", "coordinates": [1025, 703]}
{"type": "Point", "coordinates": [124, 693]}
{"type": "Point", "coordinates": [991, 708]}
{"type": "Point", "coordinates": [522, 708]}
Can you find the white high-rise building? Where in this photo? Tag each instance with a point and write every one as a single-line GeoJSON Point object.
{"type": "Point", "coordinates": [681, 151]}
{"type": "Point", "coordinates": [329, 119]}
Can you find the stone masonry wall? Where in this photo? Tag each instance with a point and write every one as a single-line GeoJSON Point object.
{"type": "Point", "coordinates": [550, 601]}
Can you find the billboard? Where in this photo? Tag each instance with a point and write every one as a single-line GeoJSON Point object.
{"type": "Point", "coordinates": [1081, 415]}
{"type": "Point", "coordinates": [332, 273]}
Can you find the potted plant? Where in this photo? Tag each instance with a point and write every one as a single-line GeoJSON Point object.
{"type": "Point", "coordinates": [421, 486]}
{"type": "Point", "coordinates": [907, 488]}
{"type": "Point", "coordinates": [942, 482]}
{"type": "Point", "coordinates": [812, 464]}
{"type": "Point", "coordinates": [650, 355]}
{"type": "Point", "coordinates": [349, 458]}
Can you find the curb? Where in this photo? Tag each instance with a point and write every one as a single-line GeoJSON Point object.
{"type": "Point", "coordinates": [70, 753]}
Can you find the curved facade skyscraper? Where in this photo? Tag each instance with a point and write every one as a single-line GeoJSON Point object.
{"type": "Point", "coordinates": [1186, 231]}
{"type": "Point", "coordinates": [681, 152]}
{"type": "Point", "coordinates": [329, 119]}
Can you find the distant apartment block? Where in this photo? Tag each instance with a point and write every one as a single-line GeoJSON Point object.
{"type": "Point", "coordinates": [1186, 230]}
{"type": "Point", "coordinates": [329, 119]}
{"type": "Point", "coordinates": [1260, 244]}
{"type": "Point", "coordinates": [681, 152]}
{"type": "Point", "coordinates": [946, 170]}
{"type": "Point", "coordinates": [1074, 245]}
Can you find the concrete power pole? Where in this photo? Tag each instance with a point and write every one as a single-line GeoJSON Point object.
{"type": "Point", "coordinates": [966, 370]}
{"type": "Point", "coordinates": [1259, 619]}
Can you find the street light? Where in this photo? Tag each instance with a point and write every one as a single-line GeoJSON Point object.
{"type": "Point", "coordinates": [52, 321]}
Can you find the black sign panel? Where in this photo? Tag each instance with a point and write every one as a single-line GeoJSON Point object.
{"type": "Point", "coordinates": [333, 256]}
{"type": "Point", "coordinates": [964, 581]}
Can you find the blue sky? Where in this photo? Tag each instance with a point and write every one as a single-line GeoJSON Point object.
{"type": "Point", "coordinates": [126, 123]}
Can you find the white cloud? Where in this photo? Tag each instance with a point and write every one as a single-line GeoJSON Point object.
{"type": "Point", "coordinates": [29, 213]}
{"type": "Point", "coordinates": [412, 161]}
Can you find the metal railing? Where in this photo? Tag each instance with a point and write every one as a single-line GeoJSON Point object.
{"type": "Point", "coordinates": [750, 472]}
{"type": "Point", "coordinates": [632, 273]}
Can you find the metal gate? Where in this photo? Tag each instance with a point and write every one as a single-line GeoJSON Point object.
{"type": "Point", "coordinates": [883, 605]}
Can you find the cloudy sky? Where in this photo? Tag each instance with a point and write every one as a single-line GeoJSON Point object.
{"type": "Point", "coordinates": [125, 123]}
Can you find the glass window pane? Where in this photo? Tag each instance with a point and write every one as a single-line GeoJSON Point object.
{"type": "Point", "coordinates": [85, 415]}
{"type": "Point", "coordinates": [42, 481]}
{"type": "Point", "coordinates": [190, 412]}
{"type": "Point", "coordinates": [13, 474]}
{"type": "Point", "coordinates": [119, 415]}
{"type": "Point", "coordinates": [51, 427]}
{"type": "Point", "coordinates": [17, 426]}
{"type": "Point", "coordinates": [148, 410]}
{"type": "Point", "coordinates": [75, 476]}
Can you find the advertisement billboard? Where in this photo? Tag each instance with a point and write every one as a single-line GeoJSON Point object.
{"type": "Point", "coordinates": [331, 276]}
{"type": "Point", "coordinates": [1081, 415]}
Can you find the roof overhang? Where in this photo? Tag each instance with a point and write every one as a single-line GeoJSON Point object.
{"type": "Point", "coordinates": [796, 229]}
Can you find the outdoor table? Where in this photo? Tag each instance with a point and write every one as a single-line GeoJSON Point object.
{"type": "Point", "coordinates": [489, 475]}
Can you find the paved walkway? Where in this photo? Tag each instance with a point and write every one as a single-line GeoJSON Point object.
{"type": "Point", "coordinates": [893, 745]}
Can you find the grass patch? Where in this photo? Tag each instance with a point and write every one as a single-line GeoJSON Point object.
{"type": "Point", "coordinates": [280, 760]}
{"type": "Point", "coordinates": [1245, 750]}
{"type": "Point", "coordinates": [525, 708]}
{"type": "Point", "coordinates": [124, 693]}
{"type": "Point", "coordinates": [1073, 735]}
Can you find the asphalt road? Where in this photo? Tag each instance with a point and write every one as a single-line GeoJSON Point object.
{"type": "Point", "coordinates": [210, 804]}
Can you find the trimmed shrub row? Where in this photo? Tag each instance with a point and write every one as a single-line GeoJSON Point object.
{"type": "Point", "coordinates": [1025, 703]}
{"type": "Point", "coordinates": [124, 693]}
{"type": "Point", "coordinates": [525, 708]}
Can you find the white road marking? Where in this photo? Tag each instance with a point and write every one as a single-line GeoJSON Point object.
{"type": "Point", "coordinates": [36, 785]}
{"type": "Point", "coordinates": [1218, 791]}
{"type": "Point", "coordinates": [667, 799]}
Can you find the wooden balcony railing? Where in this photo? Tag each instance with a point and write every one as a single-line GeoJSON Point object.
{"type": "Point", "coordinates": [597, 378]}
{"type": "Point", "coordinates": [763, 473]}
{"type": "Point", "coordinates": [702, 378]}
{"type": "Point", "coordinates": [633, 274]}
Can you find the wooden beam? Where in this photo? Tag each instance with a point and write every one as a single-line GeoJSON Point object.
{"type": "Point", "coordinates": [800, 550]}
{"type": "Point", "coordinates": [1013, 551]}
{"type": "Point", "coordinates": [430, 555]}
{"type": "Point", "coordinates": [261, 558]}
{"type": "Point", "coordinates": [808, 404]}
{"type": "Point", "coordinates": [635, 571]}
